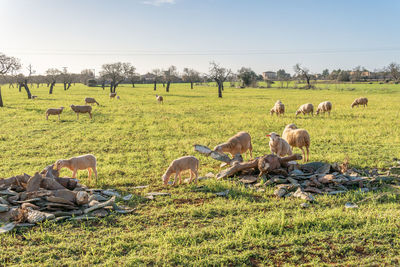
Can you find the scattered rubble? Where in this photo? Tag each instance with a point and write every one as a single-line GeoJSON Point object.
{"type": "Point", "coordinates": [28, 200]}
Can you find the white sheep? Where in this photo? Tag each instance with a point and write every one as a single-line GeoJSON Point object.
{"type": "Point", "coordinates": [238, 144]}
{"type": "Point", "coordinates": [297, 138]}
{"type": "Point", "coordinates": [85, 162]}
{"type": "Point", "coordinates": [278, 108]}
{"type": "Point", "coordinates": [306, 109]}
{"type": "Point", "coordinates": [81, 109]}
{"type": "Point", "coordinates": [181, 164]}
{"type": "Point", "coordinates": [278, 145]}
{"type": "Point", "coordinates": [160, 99]}
{"type": "Point", "coordinates": [360, 101]}
{"type": "Point", "coordinates": [323, 107]}
{"type": "Point", "coordinates": [91, 100]}
{"type": "Point", "coordinates": [54, 111]}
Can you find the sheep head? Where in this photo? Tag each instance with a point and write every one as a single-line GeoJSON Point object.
{"type": "Point", "coordinates": [291, 126]}
{"type": "Point", "coordinates": [273, 136]}
{"type": "Point", "coordinates": [298, 112]}
{"type": "Point", "coordinates": [59, 164]}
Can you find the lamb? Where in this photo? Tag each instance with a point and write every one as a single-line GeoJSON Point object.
{"type": "Point", "coordinates": [324, 107]}
{"type": "Point", "coordinates": [84, 162]}
{"type": "Point", "coordinates": [360, 101]}
{"type": "Point", "coordinates": [306, 109]}
{"type": "Point", "coordinates": [160, 99]}
{"type": "Point", "coordinates": [81, 109]}
{"type": "Point", "coordinates": [54, 111]}
{"type": "Point", "coordinates": [278, 145]}
{"type": "Point", "coordinates": [190, 163]}
{"type": "Point", "coordinates": [297, 138]}
{"type": "Point", "coordinates": [112, 95]}
{"type": "Point", "coordinates": [91, 100]}
{"type": "Point", "coordinates": [237, 144]}
{"type": "Point", "coordinates": [278, 108]}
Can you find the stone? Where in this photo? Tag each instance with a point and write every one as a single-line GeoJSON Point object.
{"type": "Point", "coordinates": [223, 193]}
{"type": "Point", "coordinates": [324, 169]}
{"type": "Point", "coordinates": [111, 193]}
{"type": "Point", "coordinates": [29, 205]}
{"type": "Point", "coordinates": [82, 197]}
{"type": "Point", "coordinates": [336, 192]}
{"type": "Point", "coordinates": [280, 192]}
{"type": "Point", "coordinates": [153, 195]}
{"type": "Point", "coordinates": [140, 187]}
{"type": "Point", "coordinates": [4, 208]}
{"type": "Point", "coordinates": [303, 195]}
{"type": "Point", "coordinates": [312, 190]}
{"type": "Point", "coordinates": [279, 180]}
{"type": "Point", "coordinates": [248, 179]}
{"type": "Point", "coordinates": [293, 181]}
{"type": "Point", "coordinates": [350, 205]}
{"type": "Point", "coordinates": [97, 197]}
{"type": "Point", "coordinates": [83, 218]}
{"type": "Point", "coordinates": [34, 183]}
{"type": "Point", "coordinates": [62, 218]}
{"type": "Point", "coordinates": [7, 228]}
{"type": "Point", "coordinates": [93, 203]}
{"type": "Point", "coordinates": [296, 173]}
{"type": "Point", "coordinates": [21, 225]}
{"type": "Point", "coordinates": [127, 197]}
{"type": "Point", "coordinates": [35, 216]}
{"type": "Point", "coordinates": [100, 205]}
{"type": "Point", "coordinates": [100, 213]}
{"type": "Point", "coordinates": [326, 179]}
{"type": "Point", "coordinates": [68, 213]}
{"type": "Point", "coordinates": [8, 192]}
{"type": "Point", "coordinates": [3, 201]}
{"type": "Point", "coordinates": [59, 200]}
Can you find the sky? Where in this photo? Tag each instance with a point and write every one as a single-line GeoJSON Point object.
{"type": "Point", "coordinates": [264, 35]}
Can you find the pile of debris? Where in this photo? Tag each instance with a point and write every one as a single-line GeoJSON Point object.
{"type": "Point", "coordinates": [27, 200]}
{"type": "Point", "coordinates": [296, 180]}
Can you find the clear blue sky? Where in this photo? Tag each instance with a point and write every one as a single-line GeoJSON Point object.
{"type": "Point", "coordinates": [263, 35]}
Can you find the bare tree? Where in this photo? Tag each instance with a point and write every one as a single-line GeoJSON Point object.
{"type": "Point", "coordinates": [26, 79]}
{"type": "Point", "coordinates": [219, 75]}
{"type": "Point", "coordinates": [115, 73]}
{"type": "Point", "coordinates": [169, 75]}
{"type": "Point", "coordinates": [7, 65]}
{"type": "Point", "coordinates": [52, 76]}
{"type": "Point", "coordinates": [394, 70]}
{"type": "Point", "coordinates": [157, 75]}
{"type": "Point", "coordinates": [304, 73]}
{"type": "Point", "coordinates": [66, 78]}
{"type": "Point", "coordinates": [131, 75]}
{"type": "Point", "coordinates": [191, 76]}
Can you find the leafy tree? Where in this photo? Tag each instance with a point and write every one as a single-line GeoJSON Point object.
{"type": "Point", "coordinates": [247, 76]}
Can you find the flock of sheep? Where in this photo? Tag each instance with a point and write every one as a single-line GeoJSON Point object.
{"type": "Point", "coordinates": [326, 106]}
{"type": "Point", "coordinates": [241, 142]}
{"type": "Point", "coordinates": [238, 144]}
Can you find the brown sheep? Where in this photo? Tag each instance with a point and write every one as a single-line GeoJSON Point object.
{"type": "Point", "coordinates": [297, 138]}
{"type": "Point", "coordinates": [278, 108]}
{"type": "Point", "coordinates": [278, 145]}
{"type": "Point", "coordinates": [82, 109]}
{"type": "Point", "coordinates": [360, 101]}
{"type": "Point", "coordinates": [324, 107]}
{"type": "Point", "coordinates": [177, 166]}
{"type": "Point", "coordinates": [160, 99]}
{"type": "Point", "coordinates": [85, 162]}
{"type": "Point", "coordinates": [91, 100]}
{"type": "Point", "coordinates": [238, 144]}
{"type": "Point", "coordinates": [54, 111]}
{"type": "Point", "coordinates": [306, 109]}
{"type": "Point", "coordinates": [112, 95]}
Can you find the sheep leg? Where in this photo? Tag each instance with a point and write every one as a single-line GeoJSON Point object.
{"type": "Point", "coordinates": [308, 153]}
{"type": "Point", "coordinates": [180, 178]}
{"type": "Point", "coordinates": [47, 116]}
{"type": "Point", "coordinates": [77, 116]}
{"type": "Point", "coordinates": [191, 176]}
{"type": "Point", "coordinates": [176, 177]}
{"type": "Point", "coordinates": [304, 155]}
{"type": "Point", "coordinates": [196, 176]}
{"type": "Point", "coordinates": [74, 173]}
{"type": "Point", "coordinates": [90, 115]}
{"type": "Point", "coordinates": [89, 174]}
{"type": "Point", "coordinates": [59, 117]}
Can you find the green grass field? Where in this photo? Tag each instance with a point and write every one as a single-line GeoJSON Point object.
{"type": "Point", "coordinates": [135, 139]}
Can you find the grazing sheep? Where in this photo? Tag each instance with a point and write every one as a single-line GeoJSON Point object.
{"type": "Point", "coordinates": [297, 138]}
{"type": "Point", "coordinates": [91, 100]}
{"type": "Point", "coordinates": [81, 109]}
{"type": "Point", "coordinates": [177, 166]}
{"type": "Point", "coordinates": [324, 107]}
{"type": "Point", "coordinates": [112, 95]}
{"type": "Point", "coordinates": [306, 109]}
{"type": "Point", "coordinates": [360, 101]}
{"type": "Point", "coordinates": [85, 162]}
{"type": "Point", "coordinates": [237, 144]}
{"type": "Point", "coordinates": [278, 145]}
{"type": "Point", "coordinates": [54, 111]}
{"type": "Point", "coordinates": [160, 99]}
{"type": "Point", "coordinates": [278, 108]}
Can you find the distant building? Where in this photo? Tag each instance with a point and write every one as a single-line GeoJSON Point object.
{"type": "Point", "coordinates": [269, 75]}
